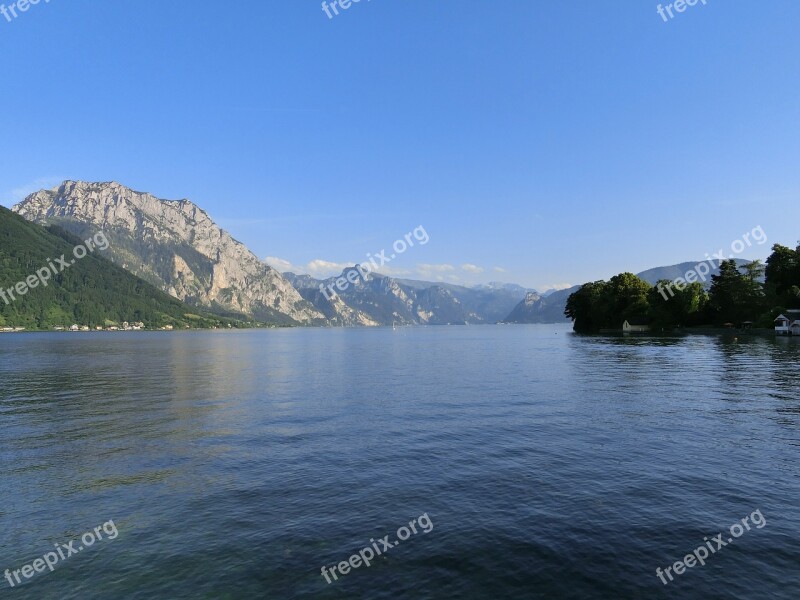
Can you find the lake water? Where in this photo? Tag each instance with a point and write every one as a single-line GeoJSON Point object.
{"type": "Point", "coordinates": [235, 464]}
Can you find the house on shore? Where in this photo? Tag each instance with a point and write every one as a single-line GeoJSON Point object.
{"type": "Point", "coordinates": [788, 325]}
{"type": "Point", "coordinates": [636, 325]}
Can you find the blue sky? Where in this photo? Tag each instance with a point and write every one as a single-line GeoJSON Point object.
{"type": "Point", "coordinates": [537, 142]}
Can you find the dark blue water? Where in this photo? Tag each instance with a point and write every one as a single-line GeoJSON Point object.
{"type": "Point", "coordinates": [234, 465]}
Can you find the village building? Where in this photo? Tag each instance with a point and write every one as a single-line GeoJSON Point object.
{"type": "Point", "coordinates": [788, 324]}
{"type": "Point", "coordinates": [636, 325]}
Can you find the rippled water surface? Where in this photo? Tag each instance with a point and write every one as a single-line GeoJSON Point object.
{"type": "Point", "coordinates": [234, 465]}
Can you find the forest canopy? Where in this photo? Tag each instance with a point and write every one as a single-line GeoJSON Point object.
{"type": "Point", "coordinates": [754, 292]}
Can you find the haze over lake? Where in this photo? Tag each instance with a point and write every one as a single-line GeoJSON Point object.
{"type": "Point", "coordinates": [237, 464]}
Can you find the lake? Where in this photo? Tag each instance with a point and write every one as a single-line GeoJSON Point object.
{"type": "Point", "coordinates": [532, 463]}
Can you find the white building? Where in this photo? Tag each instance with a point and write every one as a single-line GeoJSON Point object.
{"type": "Point", "coordinates": [782, 325]}
{"type": "Point", "coordinates": [635, 325]}
{"type": "Point", "coordinates": [788, 325]}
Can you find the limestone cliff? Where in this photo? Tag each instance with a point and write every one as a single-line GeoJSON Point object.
{"type": "Point", "coordinates": [174, 245]}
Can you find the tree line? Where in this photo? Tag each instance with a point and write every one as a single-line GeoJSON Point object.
{"type": "Point", "coordinates": [755, 292]}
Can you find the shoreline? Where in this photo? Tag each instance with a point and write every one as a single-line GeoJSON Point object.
{"type": "Point", "coordinates": [709, 331]}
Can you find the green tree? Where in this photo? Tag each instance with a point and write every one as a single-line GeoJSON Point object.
{"type": "Point", "coordinates": [584, 307]}
{"type": "Point", "coordinates": [783, 268]}
{"type": "Point", "coordinates": [735, 297]}
{"type": "Point", "coordinates": [671, 307]}
{"type": "Point", "coordinates": [605, 305]}
{"type": "Point", "coordinates": [626, 298]}
{"type": "Point", "coordinates": [783, 277]}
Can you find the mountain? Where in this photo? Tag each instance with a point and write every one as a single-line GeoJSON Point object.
{"type": "Point", "coordinates": [537, 308]}
{"type": "Point", "coordinates": [374, 299]}
{"type": "Point", "coordinates": [333, 306]}
{"type": "Point", "coordinates": [499, 286]}
{"type": "Point", "coordinates": [89, 291]}
{"type": "Point", "coordinates": [371, 300]}
{"type": "Point", "coordinates": [672, 272]}
{"type": "Point", "coordinates": [174, 245]}
{"type": "Point", "coordinates": [551, 291]}
{"type": "Point", "coordinates": [485, 303]}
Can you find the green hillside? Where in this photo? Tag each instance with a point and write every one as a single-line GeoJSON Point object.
{"type": "Point", "coordinates": [91, 292]}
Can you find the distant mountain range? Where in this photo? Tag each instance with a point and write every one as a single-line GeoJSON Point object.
{"type": "Point", "coordinates": [177, 247]}
{"type": "Point", "coordinates": [379, 300]}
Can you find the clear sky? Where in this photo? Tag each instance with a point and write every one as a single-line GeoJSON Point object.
{"type": "Point", "coordinates": [536, 142]}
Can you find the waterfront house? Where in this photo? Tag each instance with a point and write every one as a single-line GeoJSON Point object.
{"type": "Point", "coordinates": [788, 325]}
{"type": "Point", "coordinates": [794, 326]}
{"type": "Point", "coordinates": [636, 325]}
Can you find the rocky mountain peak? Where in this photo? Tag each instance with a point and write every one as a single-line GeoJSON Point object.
{"type": "Point", "coordinates": [175, 245]}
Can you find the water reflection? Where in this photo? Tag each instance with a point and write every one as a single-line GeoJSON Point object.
{"type": "Point", "coordinates": [235, 464]}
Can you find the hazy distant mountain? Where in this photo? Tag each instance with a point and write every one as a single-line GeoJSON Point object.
{"type": "Point", "coordinates": [541, 309]}
{"type": "Point", "coordinates": [381, 300]}
{"type": "Point", "coordinates": [487, 303]}
{"type": "Point", "coordinates": [499, 286]}
{"type": "Point", "coordinates": [537, 308]}
{"type": "Point", "coordinates": [547, 293]}
{"type": "Point", "coordinates": [175, 246]}
{"type": "Point", "coordinates": [373, 300]}
{"type": "Point", "coordinates": [653, 276]}
{"type": "Point", "coordinates": [336, 310]}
